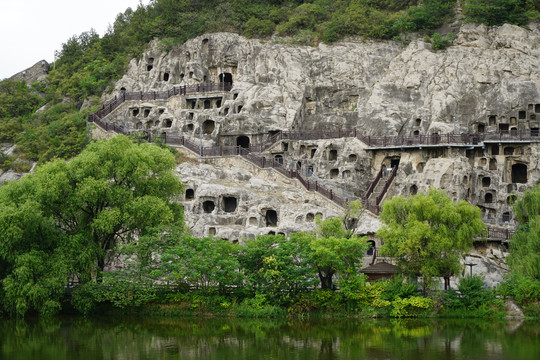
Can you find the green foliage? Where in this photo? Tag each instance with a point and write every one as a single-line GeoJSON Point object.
{"type": "Point", "coordinates": [259, 28]}
{"type": "Point", "coordinates": [525, 290]}
{"type": "Point", "coordinates": [62, 220]}
{"type": "Point", "coordinates": [439, 42]}
{"type": "Point", "coordinates": [411, 306]}
{"type": "Point", "coordinates": [429, 233]}
{"type": "Point", "coordinates": [498, 12]}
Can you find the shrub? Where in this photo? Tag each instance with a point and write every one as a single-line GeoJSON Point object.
{"type": "Point", "coordinates": [411, 307]}
{"type": "Point", "coordinates": [439, 42]}
{"type": "Point", "coordinates": [474, 293]}
{"type": "Point", "coordinates": [259, 28]}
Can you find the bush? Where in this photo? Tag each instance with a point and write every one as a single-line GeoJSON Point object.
{"type": "Point", "coordinates": [498, 12]}
{"type": "Point", "coordinates": [259, 28]}
{"type": "Point", "coordinates": [474, 292]}
{"type": "Point", "coordinates": [439, 42]}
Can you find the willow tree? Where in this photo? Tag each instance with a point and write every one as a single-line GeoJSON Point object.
{"type": "Point", "coordinates": [428, 234]}
{"type": "Point", "coordinates": [62, 221]}
{"type": "Point", "coordinates": [524, 258]}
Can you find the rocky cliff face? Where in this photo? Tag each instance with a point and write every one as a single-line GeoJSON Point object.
{"type": "Point", "coordinates": [488, 81]}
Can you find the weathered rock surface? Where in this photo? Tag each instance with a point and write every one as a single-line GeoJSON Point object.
{"type": "Point", "coordinates": [488, 81]}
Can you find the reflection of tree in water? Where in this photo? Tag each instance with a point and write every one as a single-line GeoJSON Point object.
{"type": "Point", "coordinates": [241, 339]}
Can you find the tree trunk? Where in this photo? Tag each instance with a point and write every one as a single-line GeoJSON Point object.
{"type": "Point", "coordinates": [326, 279]}
{"type": "Point", "coordinates": [446, 283]}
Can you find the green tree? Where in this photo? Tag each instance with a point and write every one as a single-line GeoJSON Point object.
{"type": "Point", "coordinates": [498, 12]}
{"type": "Point", "coordinates": [66, 218]}
{"type": "Point", "coordinates": [524, 258]}
{"type": "Point", "coordinates": [428, 234]}
{"type": "Point", "coordinates": [331, 252]}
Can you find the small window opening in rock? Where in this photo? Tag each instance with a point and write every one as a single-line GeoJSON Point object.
{"type": "Point", "coordinates": [190, 75]}
{"type": "Point", "coordinates": [279, 159]}
{"type": "Point", "coordinates": [239, 108]}
{"type": "Point", "coordinates": [519, 174]}
{"type": "Point", "coordinates": [218, 103]}
{"type": "Point", "coordinates": [309, 170]}
{"type": "Point", "coordinates": [166, 76]}
{"type": "Point", "coordinates": [532, 117]}
{"type": "Point", "coordinates": [205, 44]}
{"type": "Point", "coordinates": [122, 89]}
{"type": "Point", "coordinates": [149, 67]}
{"type": "Point", "coordinates": [281, 233]}
{"type": "Point", "coordinates": [506, 217]}
{"type": "Point", "coordinates": [149, 125]}
{"type": "Point", "coordinates": [492, 164]}
{"type": "Point", "coordinates": [310, 217]}
{"type": "Point", "coordinates": [488, 198]}
{"type": "Point", "coordinates": [503, 127]}
{"type": "Point", "coordinates": [161, 111]}
{"type": "Point", "coordinates": [413, 190]}
{"type": "Point", "coordinates": [510, 188]}
{"type": "Point", "coordinates": [182, 77]}
{"type": "Point", "coordinates": [190, 116]}
{"type": "Point", "coordinates": [156, 123]}
{"type": "Point", "coordinates": [235, 241]}
{"type": "Point", "coordinates": [353, 158]}
{"type": "Point", "coordinates": [208, 206]}
{"type": "Point", "coordinates": [208, 126]}
{"type": "Point", "coordinates": [139, 125]}
{"type": "Point", "coordinates": [273, 133]}
{"type": "Point", "coordinates": [204, 78]}
{"type": "Point", "coordinates": [271, 218]}
{"type": "Point", "coordinates": [420, 167]}
{"type": "Point", "coordinates": [146, 112]}
{"type": "Point", "coordinates": [530, 107]}
{"type": "Point", "coordinates": [483, 161]}
{"type": "Point", "coordinates": [226, 78]}
{"type": "Point", "coordinates": [416, 132]}
{"type": "Point", "coordinates": [394, 163]}
{"type": "Point", "coordinates": [486, 181]}
{"type": "Point", "coordinates": [253, 221]}
{"type": "Point", "coordinates": [332, 155]}
{"type": "Point", "coordinates": [190, 127]}
{"type": "Point", "coordinates": [235, 96]}
{"type": "Point", "coordinates": [481, 128]}
{"type": "Point", "coordinates": [492, 120]}
{"type": "Point", "coordinates": [225, 111]}
{"type": "Point", "coordinates": [465, 180]}
{"type": "Point", "coordinates": [511, 200]}
{"type": "Point", "coordinates": [535, 131]}
{"type": "Point", "coordinates": [514, 131]}
{"type": "Point", "coordinates": [207, 104]}
{"type": "Point", "coordinates": [242, 141]}
{"type": "Point", "coordinates": [229, 203]}
{"type": "Point", "coordinates": [135, 112]}
{"type": "Point", "coordinates": [302, 149]}
{"type": "Point", "coordinates": [272, 233]}
{"type": "Point", "coordinates": [522, 114]}
{"type": "Point", "coordinates": [298, 165]}
{"type": "Point", "coordinates": [190, 194]}
{"type": "Point", "coordinates": [346, 174]}
{"type": "Point", "coordinates": [167, 123]}
{"type": "Point", "coordinates": [494, 149]}
{"type": "Point", "coordinates": [284, 146]}
{"type": "Point", "coordinates": [371, 247]}
{"type": "Point", "coordinates": [509, 150]}
{"type": "Point", "coordinates": [334, 173]}
{"type": "Point", "coordinates": [193, 103]}
{"type": "Point", "coordinates": [537, 108]}
{"type": "Point", "coordinates": [513, 121]}
{"type": "Point", "coordinates": [211, 231]}
{"type": "Point", "coordinates": [417, 122]}
{"type": "Point", "coordinates": [313, 151]}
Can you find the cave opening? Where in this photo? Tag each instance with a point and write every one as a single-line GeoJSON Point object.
{"type": "Point", "coordinates": [243, 142]}
{"type": "Point", "coordinates": [166, 76]}
{"type": "Point", "coordinates": [413, 190]}
{"type": "Point", "coordinates": [353, 158]}
{"type": "Point", "coordinates": [486, 181]}
{"type": "Point", "coordinates": [332, 155]}
{"type": "Point", "coordinates": [225, 78]}
{"type": "Point", "coordinates": [519, 173]}
{"type": "Point", "coordinates": [208, 126]}
{"type": "Point", "coordinates": [229, 203]}
{"type": "Point", "coordinates": [271, 218]}
{"type": "Point", "coordinates": [488, 198]}
{"type": "Point", "coordinates": [208, 206]}
{"type": "Point", "coordinates": [190, 194]}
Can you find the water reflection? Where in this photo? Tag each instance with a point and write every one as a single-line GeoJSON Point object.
{"type": "Point", "coordinates": [135, 338]}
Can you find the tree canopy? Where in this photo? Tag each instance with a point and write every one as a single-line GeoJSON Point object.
{"type": "Point", "coordinates": [524, 258]}
{"type": "Point", "coordinates": [63, 220]}
{"type": "Point", "coordinates": [429, 233]}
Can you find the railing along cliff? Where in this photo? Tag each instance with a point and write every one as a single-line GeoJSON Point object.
{"type": "Point", "coordinates": [112, 104]}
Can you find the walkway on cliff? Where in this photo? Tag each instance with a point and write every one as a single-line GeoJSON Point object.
{"type": "Point", "coordinates": [372, 142]}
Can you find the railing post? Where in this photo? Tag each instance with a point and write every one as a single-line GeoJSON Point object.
{"type": "Point", "coordinates": [141, 95]}
{"type": "Point", "coordinates": [331, 195]}
{"type": "Point", "coordinates": [263, 162]}
{"type": "Point", "coordinates": [316, 186]}
{"type": "Point", "coordinates": [220, 150]}
{"type": "Point", "coordinates": [164, 137]}
{"type": "Point", "coordinates": [354, 132]}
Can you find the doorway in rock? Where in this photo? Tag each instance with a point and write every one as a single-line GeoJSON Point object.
{"type": "Point", "coordinates": [271, 218]}
{"type": "Point", "coordinates": [242, 141]}
{"type": "Point", "coordinates": [519, 173]}
{"type": "Point", "coordinates": [394, 162]}
{"type": "Point", "coordinates": [225, 78]}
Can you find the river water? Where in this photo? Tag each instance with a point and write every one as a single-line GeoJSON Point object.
{"type": "Point", "coordinates": [171, 338]}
